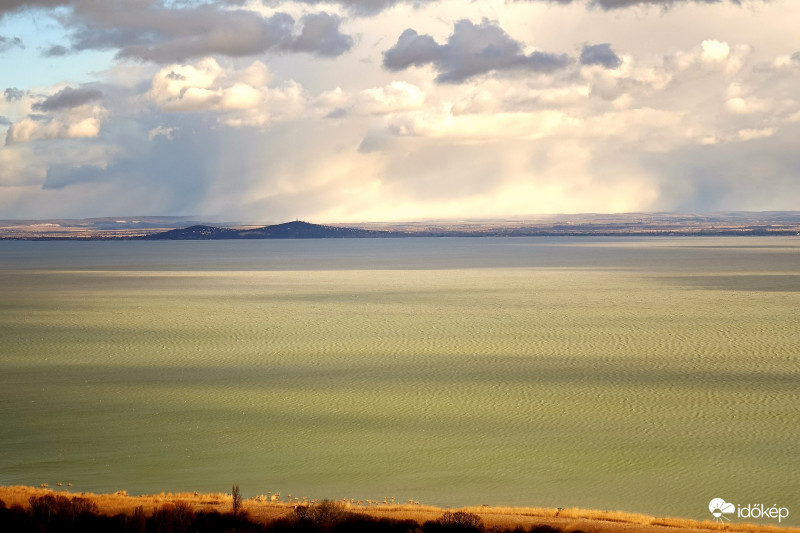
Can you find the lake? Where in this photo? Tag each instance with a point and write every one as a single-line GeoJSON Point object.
{"type": "Point", "coordinates": [641, 374]}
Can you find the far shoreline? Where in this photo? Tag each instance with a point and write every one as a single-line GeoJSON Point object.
{"type": "Point", "coordinates": [716, 224]}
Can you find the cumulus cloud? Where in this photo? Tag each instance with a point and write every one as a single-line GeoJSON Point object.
{"type": "Point", "coordinates": [30, 129]}
{"type": "Point", "coordinates": [599, 54]}
{"type": "Point", "coordinates": [712, 54]}
{"type": "Point", "coordinates": [498, 95]}
{"type": "Point", "coordinates": [750, 134]}
{"type": "Point", "coordinates": [67, 98]}
{"type": "Point", "coordinates": [715, 50]}
{"type": "Point", "coordinates": [492, 127]}
{"type": "Point", "coordinates": [243, 96]}
{"type": "Point", "coordinates": [67, 114]}
{"type": "Point", "coordinates": [397, 96]}
{"type": "Point", "coordinates": [176, 85]}
{"type": "Point", "coordinates": [201, 86]}
{"type": "Point", "coordinates": [470, 51]}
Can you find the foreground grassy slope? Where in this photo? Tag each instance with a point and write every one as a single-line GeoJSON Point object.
{"type": "Point", "coordinates": [28, 508]}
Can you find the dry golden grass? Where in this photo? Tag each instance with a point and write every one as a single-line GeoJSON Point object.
{"type": "Point", "coordinates": [262, 510]}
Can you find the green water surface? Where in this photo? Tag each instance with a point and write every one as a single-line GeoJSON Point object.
{"type": "Point", "coordinates": [644, 375]}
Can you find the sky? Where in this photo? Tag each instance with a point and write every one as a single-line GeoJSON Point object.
{"type": "Point", "coordinates": [394, 110]}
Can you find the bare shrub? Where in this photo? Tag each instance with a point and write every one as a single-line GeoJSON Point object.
{"type": "Point", "coordinates": [58, 508]}
{"type": "Point", "coordinates": [456, 521]}
{"type": "Point", "coordinates": [302, 512]}
{"type": "Point", "coordinates": [328, 512]}
{"type": "Point", "coordinates": [82, 506]}
{"type": "Point", "coordinates": [323, 515]}
{"type": "Point", "coordinates": [173, 517]}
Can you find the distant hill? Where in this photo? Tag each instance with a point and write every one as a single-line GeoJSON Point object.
{"type": "Point", "coordinates": [288, 230]}
{"type": "Point", "coordinates": [194, 233]}
{"type": "Point", "coordinates": [305, 230]}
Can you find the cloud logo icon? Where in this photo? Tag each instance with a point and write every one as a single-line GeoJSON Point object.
{"type": "Point", "coordinates": [718, 507]}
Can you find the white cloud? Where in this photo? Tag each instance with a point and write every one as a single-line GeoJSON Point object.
{"type": "Point", "coordinates": [715, 50]}
{"type": "Point", "coordinates": [442, 123]}
{"type": "Point", "coordinates": [510, 96]}
{"type": "Point", "coordinates": [256, 74]}
{"type": "Point", "coordinates": [744, 107]}
{"type": "Point", "coordinates": [57, 112]}
{"type": "Point", "coordinates": [194, 99]}
{"type": "Point", "coordinates": [240, 95]}
{"type": "Point", "coordinates": [712, 54]}
{"type": "Point", "coordinates": [395, 97]}
{"type": "Point", "coordinates": [332, 99]}
{"type": "Point", "coordinates": [171, 83]}
{"type": "Point", "coordinates": [750, 134]}
{"type": "Point", "coordinates": [83, 122]}
{"type": "Point", "coordinates": [161, 131]}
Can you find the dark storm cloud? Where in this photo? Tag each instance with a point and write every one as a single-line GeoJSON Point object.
{"type": "Point", "coordinates": [599, 54]}
{"type": "Point", "coordinates": [7, 43]}
{"type": "Point", "coordinates": [67, 98]}
{"type": "Point", "coordinates": [321, 36]}
{"type": "Point", "coordinates": [12, 94]}
{"type": "Point", "coordinates": [197, 33]}
{"type": "Point", "coordinates": [151, 31]}
{"type": "Point", "coordinates": [411, 49]}
{"type": "Point", "coordinates": [4, 121]}
{"type": "Point", "coordinates": [471, 50]}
